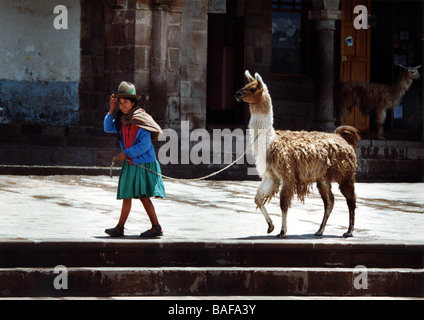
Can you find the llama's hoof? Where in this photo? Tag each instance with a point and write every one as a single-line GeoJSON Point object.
{"type": "Point", "coordinates": [347, 235]}
{"type": "Point", "coordinates": [270, 228]}
{"type": "Point", "coordinates": [319, 233]}
{"type": "Point", "coordinates": [281, 235]}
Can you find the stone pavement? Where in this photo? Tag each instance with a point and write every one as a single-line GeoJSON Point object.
{"type": "Point", "coordinates": [80, 208]}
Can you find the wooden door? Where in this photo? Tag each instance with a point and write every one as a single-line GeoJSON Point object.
{"type": "Point", "coordinates": [355, 56]}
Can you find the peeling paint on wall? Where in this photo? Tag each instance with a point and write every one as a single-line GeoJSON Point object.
{"type": "Point", "coordinates": [39, 65]}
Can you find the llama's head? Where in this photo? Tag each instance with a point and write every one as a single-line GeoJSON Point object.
{"type": "Point", "coordinates": [253, 91]}
{"type": "Point", "coordinates": [412, 72]}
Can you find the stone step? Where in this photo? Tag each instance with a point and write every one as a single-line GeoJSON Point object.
{"type": "Point", "coordinates": [228, 253]}
{"type": "Point", "coordinates": [209, 281]}
{"type": "Point", "coordinates": [130, 267]}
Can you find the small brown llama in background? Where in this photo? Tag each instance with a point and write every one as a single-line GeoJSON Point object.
{"type": "Point", "coordinates": [372, 96]}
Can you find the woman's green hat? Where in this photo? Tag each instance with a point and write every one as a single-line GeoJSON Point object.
{"type": "Point", "coordinates": [126, 90]}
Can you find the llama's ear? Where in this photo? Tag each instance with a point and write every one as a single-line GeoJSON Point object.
{"type": "Point", "coordinates": [417, 67]}
{"type": "Point", "coordinates": [403, 67]}
{"type": "Point", "coordinates": [258, 78]}
{"type": "Point", "coordinates": [248, 76]}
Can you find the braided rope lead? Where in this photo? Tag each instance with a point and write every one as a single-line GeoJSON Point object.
{"type": "Point", "coordinates": [111, 166]}
{"type": "Point", "coordinates": [190, 179]}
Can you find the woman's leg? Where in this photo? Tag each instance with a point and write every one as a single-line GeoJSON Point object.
{"type": "Point", "coordinates": [118, 231]}
{"type": "Point", "coordinates": [125, 211]}
{"type": "Point", "coordinates": [150, 209]}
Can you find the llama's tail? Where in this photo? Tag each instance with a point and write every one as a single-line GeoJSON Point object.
{"type": "Point", "coordinates": [350, 134]}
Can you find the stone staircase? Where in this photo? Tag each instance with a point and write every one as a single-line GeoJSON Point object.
{"type": "Point", "coordinates": [133, 267]}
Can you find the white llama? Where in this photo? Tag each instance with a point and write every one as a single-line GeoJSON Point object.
{"type": "Point", "coordinates": [296, 159]}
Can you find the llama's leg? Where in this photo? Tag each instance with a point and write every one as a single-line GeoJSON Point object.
{"type": "Point", "coordinates": [327, 196]}
{"type": "Point", "coordinates": [266, 190]}
{"type": "Point", "coordinates": [347, 188]}
{"type": "Point", "coordinates": [343, 113]}
{"type": "Point", "coordinates": [267, 218]}
{"type": "Point", "coordinates": [285, 199]}
{"type": "Point", "coordinates": [380, 120]}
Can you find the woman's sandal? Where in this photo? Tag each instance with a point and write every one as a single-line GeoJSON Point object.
{"type": "Point", "coordinates": [151, 234]}
{"type": "Point", "coordinates": [118, 231]}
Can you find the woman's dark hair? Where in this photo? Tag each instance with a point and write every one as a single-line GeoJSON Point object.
{"type": "Point", "coordinates": [120, 113]}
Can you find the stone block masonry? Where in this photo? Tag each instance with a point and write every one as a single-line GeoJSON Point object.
{"type": "Point", "coordinates": [388, 160]}
{"type": "Point", "coordinates": [160, 45]}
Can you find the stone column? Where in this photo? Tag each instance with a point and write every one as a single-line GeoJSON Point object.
{"type": "Point", "coordinates": [194, 54]}
{"type": "Point", "coordinates": [119, 45]}
{"type": "Point", "coordinates": [324, 13]}
{"type": "Point", "coordinates": [157, 45]}
{"type": "Point", "coordinates": [158, 69]}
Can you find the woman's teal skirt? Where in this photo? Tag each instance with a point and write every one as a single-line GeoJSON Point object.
{"type": "Point", "coordinates": [136, 182]}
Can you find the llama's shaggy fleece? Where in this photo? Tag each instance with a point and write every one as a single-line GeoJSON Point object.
{"type": "Point", "coordinates": [302, 158]}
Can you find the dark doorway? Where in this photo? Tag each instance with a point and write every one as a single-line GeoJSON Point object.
{"type": "Point", "coordinates": [225, 65]}
{"type": "Point", "coordinates": [397, 39]}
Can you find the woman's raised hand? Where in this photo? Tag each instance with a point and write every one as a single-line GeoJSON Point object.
{"type": "Point", "coordinates": [113, 102]}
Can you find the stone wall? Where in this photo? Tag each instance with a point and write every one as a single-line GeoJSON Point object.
{"type": "Point", "coordinates": [161, 46]}
{"type": "Point", "coordinates": [390, 160]}
{"type": "Point", "coordinates": [92, 78]}
{"type": "Point", "coordinates": [39, 64]}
